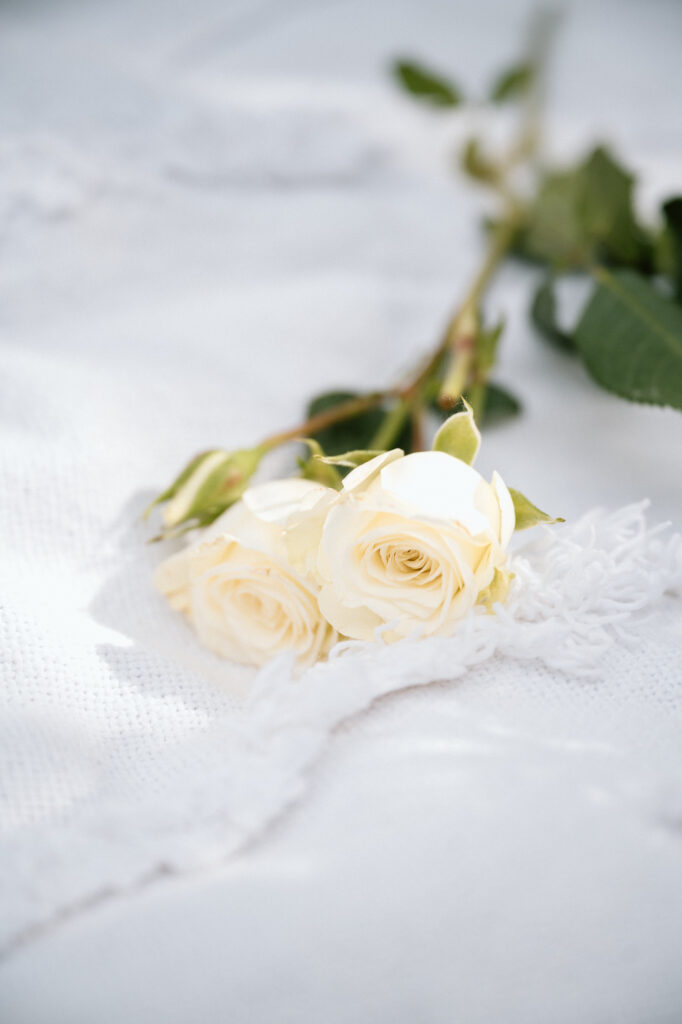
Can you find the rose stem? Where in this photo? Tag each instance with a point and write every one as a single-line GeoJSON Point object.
{"type": "Point", "coordinates": [411, 392]}
{"type": "Point", "coordinates": [459, 340]}
{"type": "Point", "coordinates": [337, 413]}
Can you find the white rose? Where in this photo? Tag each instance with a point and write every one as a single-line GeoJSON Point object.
{"type": "Point", "coordinates": [413, 541]}
{"type": "Point", "coordinates": [238, 586]}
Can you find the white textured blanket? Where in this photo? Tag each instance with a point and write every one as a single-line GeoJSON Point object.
{"type": "Point", "coordinates": [208, 215]}
{"type": "Point", "coordinates": [140, 764]}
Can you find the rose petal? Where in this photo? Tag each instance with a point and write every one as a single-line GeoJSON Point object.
{"type": "Point", "coordinates": [436, 486]}
{"type": "Point", "coordinates": [357, 623]}
{"type": "Point", "coordinates": [363, 475]}
{"type": "Point", "coordinates": [171, 578]}
{"type": "Point", "coordinates": [507, 514]}
{"type": "Point", "coordinates": [277, 500]}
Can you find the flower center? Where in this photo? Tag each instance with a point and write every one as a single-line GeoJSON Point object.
{"type": "Point", "coordinates": [400, 564]}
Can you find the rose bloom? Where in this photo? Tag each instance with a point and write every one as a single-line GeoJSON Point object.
{"type": "Point", "coordinates": [413, 541]}
{"type": "Point", "coordinates": [244, 597]}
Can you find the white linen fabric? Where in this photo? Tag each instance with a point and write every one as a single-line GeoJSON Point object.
{"type": "Point", "coordinates": [172, 774]}
{"type": "Point", "coordinates": [207, 215]}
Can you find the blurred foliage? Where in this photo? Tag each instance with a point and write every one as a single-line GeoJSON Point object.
{"type": "Point", "coordinates": [671, 246]}
{"type": "Point", "coordinates": [513, 82]}
{"type": "Point", "coordinates": [630, 337]}
{"type": "Point", "coordinates": [425, 85]}
{"type": "Point", "coordinates": [584, 215]}
{"type": "Point", "coordinates": [544, 316]}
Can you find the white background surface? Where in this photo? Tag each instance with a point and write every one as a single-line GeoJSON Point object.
{"type": "Point", "coordinates": [238, 186]}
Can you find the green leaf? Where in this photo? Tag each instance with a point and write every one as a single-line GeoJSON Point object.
{"type": "Point", "coordinates": [630, 338]}
{"type": "Point", "coordinates": [347, 435]}
{"type": "Point", "coordinates": [528, 514]}
{"type": "Point", "coordinates": [426, 85]}
{"type": "Point", "coordinates": [585, 215]}
{"type": "Point", "coordinates": [543, 315]}
{"type": "Point", "coordinates": [355, 433]}
{"type": "Point", "coordinates": [512, 83]}
{"type": "Point", "coordinates": [672, 211]}
{"type": "Point", "coordinates": [459, 436]}
{"type": "Point", "coordinates": [608, 211]}
{"type": "Point", "coordinates": [499, 405]}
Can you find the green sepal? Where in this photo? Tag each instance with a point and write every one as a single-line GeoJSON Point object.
{"type": "Point", "coordinates": [527, 514]}
{"type": "Point", "coordinates": [316, 468]}
{"type": "Point", "coordinates": [179, 481]}
{"type": "Point", "coordinates": [351, 459]}
{"type": "Point", "coordinates": [497, 589]}
{"type": "Point", "coordinates": [459, 436]}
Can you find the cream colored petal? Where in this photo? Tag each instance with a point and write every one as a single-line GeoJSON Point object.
{"type": "Point", "coordinates": [507, 514]}
{"type": "Point", "coordinates": [358, 623]}
{"type": "Point", "coordinates": [209, 554]}
{"type": "Point", "coordinates": [172, 579]}
{"type": "Point", "coordinates": [361, 477]}
{"type": "Point", "coordinates": [437, 486]}
{"type": "Point", "coordinates": [233, 521]}
{"type": "Point", "coordinates": [487, 504]}
{"type": "Point", "coordinates": [277, 500]}
{"type": "Point", "coordinates": [303, 532]}
{"type": "Point", "coordinates": [241, 524]}
{"type": "Point", "coordinates": [258, 520]}
{"type": "Point", "coordinates": [248, 607]}
{"type": "Point", "coordinates": [337, 557]}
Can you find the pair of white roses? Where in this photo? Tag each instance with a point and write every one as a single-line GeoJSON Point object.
{"type": "Point", "coordinates": [408, 545]}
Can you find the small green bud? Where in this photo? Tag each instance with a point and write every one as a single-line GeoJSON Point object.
{"type": "Point", "coordinates": [208, 485]}
{"type": "Point", "coordinates": [459, 436]}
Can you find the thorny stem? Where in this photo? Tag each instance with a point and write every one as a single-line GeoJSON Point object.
{"type": "Point", "coordinates": [458, 337]}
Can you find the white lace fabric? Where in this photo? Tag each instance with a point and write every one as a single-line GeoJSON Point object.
{"type": "Point", "coordinates": [115, 779]}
